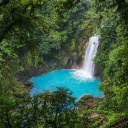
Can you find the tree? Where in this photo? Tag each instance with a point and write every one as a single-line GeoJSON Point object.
{"type": "Point", "coordinates": [47, 110]}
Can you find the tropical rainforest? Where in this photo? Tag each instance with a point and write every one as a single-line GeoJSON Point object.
{"type": "Point", "coordinates": [34, 31]}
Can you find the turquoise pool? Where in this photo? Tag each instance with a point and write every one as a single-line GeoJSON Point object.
{"type": "Point", "coordinates": [76, 80]}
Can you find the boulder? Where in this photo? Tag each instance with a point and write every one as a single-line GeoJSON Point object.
{"type": "Point", "coordinates": [86, 97]}
{"type": "Point", "coordinates": [28, 83]}
{"type": "Point", "coordinates": [75, 56]}
{"type": "Point", "coordinates": [64, 61]}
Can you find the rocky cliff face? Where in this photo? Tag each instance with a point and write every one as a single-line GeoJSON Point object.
{"type": "Point", "coordinates": [85, 44]}
{"type": "Point", "coordinates": [70, 61]}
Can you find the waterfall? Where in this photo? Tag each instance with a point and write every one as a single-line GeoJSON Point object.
{"type": "Point", "coordinates": [90, 54]}
{"type": "Point", "coordinates": [87, 71]}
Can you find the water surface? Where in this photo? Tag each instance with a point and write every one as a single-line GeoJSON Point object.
{"type": "Point", "coordinates": [77, 81]}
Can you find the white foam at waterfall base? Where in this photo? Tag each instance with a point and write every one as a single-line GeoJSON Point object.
{"type": "Point", "coordinates": [82, 76]}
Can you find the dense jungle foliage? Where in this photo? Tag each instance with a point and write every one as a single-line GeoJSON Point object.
{"type": "Point", "coordinates": [112, 54]}
{"type": "Point", "coordinates": [31, 31]}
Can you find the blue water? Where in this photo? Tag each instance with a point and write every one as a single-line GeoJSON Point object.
{"type": "Point", "coordinates": [75, 81]}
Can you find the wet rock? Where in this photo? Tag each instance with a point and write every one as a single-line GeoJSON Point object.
{"type": "Point", "coordinates": [88, 102]}
{"type": "Point", "coordinates": [28, 83]}
{"type": "Point", "coordinates": [94, 115]}
{"type": "Point", "coordinates": [70, 63]}
{"type": "Point", "coordinates": [53, 65]}
{"type": "Point", "coordinates": [86, 97]}
{"type": "Point", "coordinates": [28, 87]}
{"type": "Point", "coordinates": [64, 61]}
{"type": "Point", "coordinates": [75, 56]}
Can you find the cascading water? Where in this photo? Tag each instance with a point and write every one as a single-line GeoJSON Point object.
{"type": "Point", "coordinates": [90, 54]}
{"type": "Point", "coordinates": [88, 68]}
